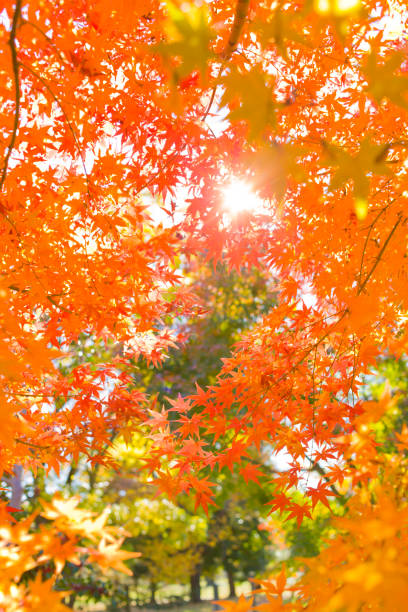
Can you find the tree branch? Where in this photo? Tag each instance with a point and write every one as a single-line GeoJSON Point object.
{"type": "Point", "coordinates": [241, 12]}
{"type": "Point", "coordinates": [380, 254]}
{"type": "Point", "coordinates": [15, 65]}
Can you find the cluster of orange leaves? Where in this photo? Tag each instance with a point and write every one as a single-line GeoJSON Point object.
{"type": "Point", "coordinates": [364, 562]}
{"type": "Point", "coordinates": [65, 533]}
{"type": "Point", "coordinates": [109, 117]}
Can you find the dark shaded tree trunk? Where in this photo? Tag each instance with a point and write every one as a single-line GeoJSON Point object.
{"type": "Point", "coordinates": [16, 484]}
{"type": "Point", "coordinates": [254, 587]}
{"type": "Point", "coordinates": [216, 594]}
{"type": "Point", "coordinates": [195, 588]}
{"type": "Point", "coordinates": [70, 600]}
{"type": "Point", "coordinates": [231, 582]}
{"type": "Point", "coordinates": [153, 587]}
{"type": "Point", "coordinates": [127, 604]}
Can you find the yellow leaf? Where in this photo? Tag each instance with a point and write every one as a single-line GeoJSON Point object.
{"type": "Point", "coordinates": [110, 556]}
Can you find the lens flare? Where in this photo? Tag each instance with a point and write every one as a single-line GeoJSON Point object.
{"type": "Point", "coordinates": [239, 197]}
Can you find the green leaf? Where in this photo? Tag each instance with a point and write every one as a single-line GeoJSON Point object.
{"type": "Point", "coordinates": [249, 97]}
{"type": "Point", "coordinates": [383, 82]}
{"type": "Point", "coordinates": [188, 39]}
{"type": "Point", "coordinates": [279, 29]}
{"type": "Point", "coordinates": [370, 159]}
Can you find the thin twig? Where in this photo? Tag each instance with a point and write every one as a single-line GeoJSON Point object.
{"type": "Point", "coordinates": [313, 408]}
{"type": "Point", "coordinates": [32, 444]}
{"type": "Point", "coordinates": [15, 64]}
{"type": "Point", "coordinates": [214, 91]}
{"type": "Point", "coordinates": [47, 38]}
{"type": "Point", "coordinates": [380, 254]}
{"type": "Point", "coordinates": [366, 242]}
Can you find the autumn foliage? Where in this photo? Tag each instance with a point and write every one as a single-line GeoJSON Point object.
{"type": "Point", "coordinates": [122, 123]}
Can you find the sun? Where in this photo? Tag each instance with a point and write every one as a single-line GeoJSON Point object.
{"type": "Point", "coordinates": [239, 197]}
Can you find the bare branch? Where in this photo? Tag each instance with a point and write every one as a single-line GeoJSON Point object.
{"type": "Point", "coordinates": [17, 89]}
{"type": "Point", "coordinates": [241, 12]}
{"type": "Point", "coordinates": [380, 254]}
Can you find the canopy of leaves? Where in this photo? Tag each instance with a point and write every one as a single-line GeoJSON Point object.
{"type": "Point", "coordinates": [121, 125]}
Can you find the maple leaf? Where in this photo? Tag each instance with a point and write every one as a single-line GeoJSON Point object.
{"type": "Point", "coordinates": [109, 555]}
{"type": "Point", "coordinates": [273, 589]}
{"type": "Point", "coordinates": [41, 595]}
{"type": "Point", "coordinates": [190, 425]}
{"type": "Point", "coordinates": [382, 80]}
{"type": "Point", "coordinates": [249, 95]}
{"type": "Point", "coordinates": [234, 453]}
{"type": "Point", "coordinates": [65, 509]}
{"type": "Point", "coordinates": [272, 166]}
{"type": "Point", "coordinates": [370, 159]}
{"type": "Point", "coordinates": [279, 29]}
{"type": "Point", "coordinates": [203, 493]}
{"type": "Point", "coordinates": [299, 512]}
{"type": "Point", "coordinates": [158, 419]}
{"type": "Point", "coordinates": [280, 502]}
{"type": "Point", "coordinates": [193, 449]}
{"type": "Point", "coordinates": [180, 404]}
{"type": "Point", "coordinates": [242, 605]}
{"type": "Point", "coordinates": [250, 472]}
{"type": "Point", "coordinates": [320, 494]}
{"type": "Point", "coordinates": [188, 38]}
{"type": "Point", "coordinates": [402, 438]}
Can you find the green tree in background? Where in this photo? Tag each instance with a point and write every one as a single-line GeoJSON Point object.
{"type": "Point", "coordinates": [179, 543]}
{"type": "Point", "coordinates": [230, 303]}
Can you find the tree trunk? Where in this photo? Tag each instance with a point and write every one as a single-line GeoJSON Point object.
{"type": "Point", "coordinates": [253, 592]}
{"type": "Point", "coordinates": [231, 583]}
{"type": "Point", "coordinates": [16, 484]}
{"type": "Point", "coordinates": [127, 604]}
{"type": "Point", "coordinates": [153, 601]}
{"type": "Point", "coordinates": [70, 600]}
{"type": "Point", "coordinates": [195, 588]}
{"type": "Point", "coordinates": [216, 594]}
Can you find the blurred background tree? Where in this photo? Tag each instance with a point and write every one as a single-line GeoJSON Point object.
{"type": "Point", "coordinates": [179, 544]}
